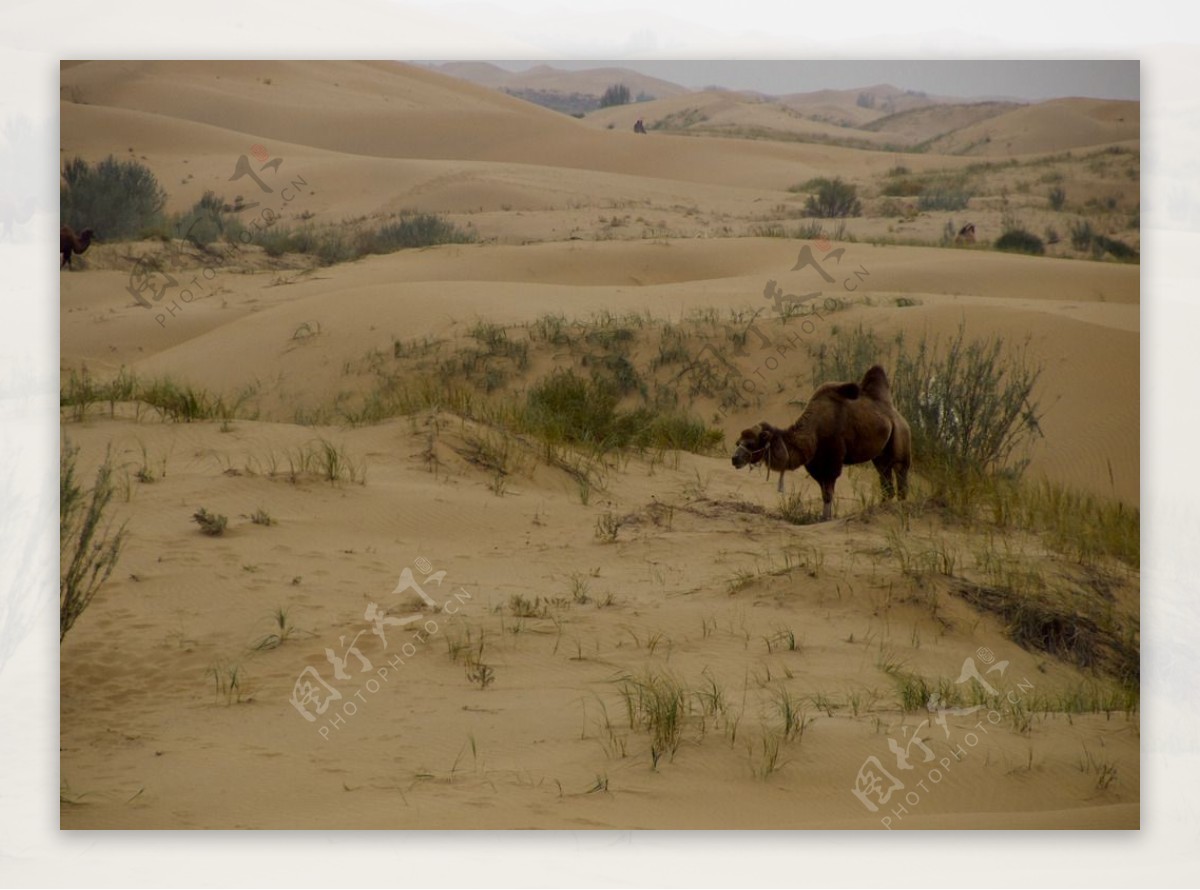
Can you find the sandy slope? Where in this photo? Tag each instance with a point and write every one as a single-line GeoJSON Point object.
{"type": "Point", "coordinates": [1081, 318]}
{"type": "Point", "coordinates": [733, 114]}
{"type": "Point", "coordinates": [425, 748]}
{"type": "Point", "coordinates": [401, 111]}
{"type": "Point", "coordinates": [1057, 125]}
{"type": "Point", "coordinates": [922, 124]}
{"type": "Point", "coordinates": [948, 128]}
{"type": "Point", "coordinates": [702, 581]}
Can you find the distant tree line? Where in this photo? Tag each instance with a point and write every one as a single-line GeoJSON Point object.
{"type": "Point", "coordinates": [617, 94]}
{"type": "Point", "coordinates": [568, 103]}
{"type": "Point", "coordinates": [578, 104]}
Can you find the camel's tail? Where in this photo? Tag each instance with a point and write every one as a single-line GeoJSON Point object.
{"type": "Point", "coordinates": [875, 384]}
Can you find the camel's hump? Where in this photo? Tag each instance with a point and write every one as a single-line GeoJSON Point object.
{"type": "Point", "coordinates": [875, 384]}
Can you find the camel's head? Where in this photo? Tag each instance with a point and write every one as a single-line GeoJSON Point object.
{"type": "Point", "coordinates": [86, 236]}
{"type": "Point", "coordinates": [753, 445]}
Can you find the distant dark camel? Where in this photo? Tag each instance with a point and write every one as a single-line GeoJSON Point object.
{"type": "Point", "coordinates": [69, 242]}
{"type": "Point", "coordinates": [966, 235]}
{"type": "Point", "coordinates": [843, 423]}
{"type": "Point", "coordinates": [639, 127]}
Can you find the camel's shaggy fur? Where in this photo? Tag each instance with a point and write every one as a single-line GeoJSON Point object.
{"type": "Point", "coordinates": [69, 242]}
{"type": "Point", "coordinates": [843, 423]}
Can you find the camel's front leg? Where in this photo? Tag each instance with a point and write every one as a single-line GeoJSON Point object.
{"type": "Point", "coordinates": [827, 500]}
{"type": "Point", "coordinates": [779, 487]}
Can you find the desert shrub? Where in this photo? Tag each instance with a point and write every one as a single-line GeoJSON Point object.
{"type": "Point", "coordinates": [673, 430]}
{"type": "Point", "coordinates": [656, 704]}
{"type": "Point", "coordinates": [903, 188]}
{"type": "Point", "coordinates": [1058, 197]}
{"type": "Point", "coordinates": [943, 198]}
{"type": "Point", "coordinates": [277, 241]}
{"type": "Point", "coordinates": [565, 407]}
{"type": "Point", "coordinates": [89, 548]}
{"type": "Point", "coordinates": [209, 219]}
{"type": "Point", "coordinates": [333, 246]}
{"type": "Point", "coordinates": [171, 400]}
{"type": "Point", "coordinates": [834, 198]}
{"type": "Point", "coordinates": [680, 120]}
{"type": "Point", "coordinates": [970, 403]}
{"type": "Point", "coordinates": [1082, 234]}
{"type": "Point", "coordinates": [973, 411]}
{"type": "Point", "coordinates": [416, 230]}
{"type": "Point", "coordinates": [1021, 241]}
{"type": "Point", "coordinates": [810, 230]}
{"type": "Point", "coordinates": [117, 199]}
{"type": "Point", "coordinates": [1102, 244]}
{"type": "Point", "coordinates": [212, 524]}
{"type": "Point", "coordinates": [179, 402]}
{"type": "Point", "coordinates": [1086, 238]}
{"type": "Point", "coordinates": [338, 245]}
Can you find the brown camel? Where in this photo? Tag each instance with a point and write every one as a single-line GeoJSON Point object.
{"type": "Point", "coordinates": [69, 242]}
{"type": "Point", "coordinates": [843, 423]}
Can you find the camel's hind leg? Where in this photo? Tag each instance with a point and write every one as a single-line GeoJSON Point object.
{"type": "Point", "coordinates": [883, 464]}
{"type": "Point", "coordinates": [902, 479]}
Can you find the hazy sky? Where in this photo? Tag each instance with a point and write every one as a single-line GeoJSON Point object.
{"type": "Point", "coordinates": [971, 79]}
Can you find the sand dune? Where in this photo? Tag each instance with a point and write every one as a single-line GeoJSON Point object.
{"type": "Point", "coordinates": [415, 113]}
{"type": "Point", "coordinates": [946, 127]}
{"type": "Point", "coordinates": [731, 114]}
{"type": "Point", "coordinates": [582, 591]}
{"type": "Point", "coordinates": [923, 124]}
{"type": "Point", "coordinates": [193, 158]}
{"type": "Point", "coordinates": [1057, 125]}
{"type": "Point", "coordinates": [426, 750]}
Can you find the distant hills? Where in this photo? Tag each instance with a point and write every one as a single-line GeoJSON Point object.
{"type": "Point", "coordinates": [878, 116]}
{"type": "Point", "coordinates": [571, 92]}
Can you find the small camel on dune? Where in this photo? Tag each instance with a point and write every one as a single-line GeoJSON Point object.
{"type": "Point", "coordinates": [843, 423]}
{"type": "Point", "coordinates": [69, 242]}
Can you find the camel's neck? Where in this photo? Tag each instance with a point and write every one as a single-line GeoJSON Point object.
{"type": "Point", "coordinates": [801, 442]}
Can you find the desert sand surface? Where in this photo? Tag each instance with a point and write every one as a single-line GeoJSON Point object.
{"type": "Point", "coordinates": [571, 591]}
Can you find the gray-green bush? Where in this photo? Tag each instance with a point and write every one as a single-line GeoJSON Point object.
{"type": "Point", "coordinates": [833, 198]}
{"type": "Point", "coordinates": [943, 198]}
{"type": "Point", "coordinates": [116, 199]}
{"type": "Point", "coordinates": [337, 245]}
{"type": "Point", "coordinates": [565, 407]}
{"type": "Point", "coordinates": [210, 219]}
{"type": "Point", "coordinates": [89, 547]}
{"type": "Point", "coordinates": [1021, 241]}
{"type": "Point", "coordinates": [970, 402]}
